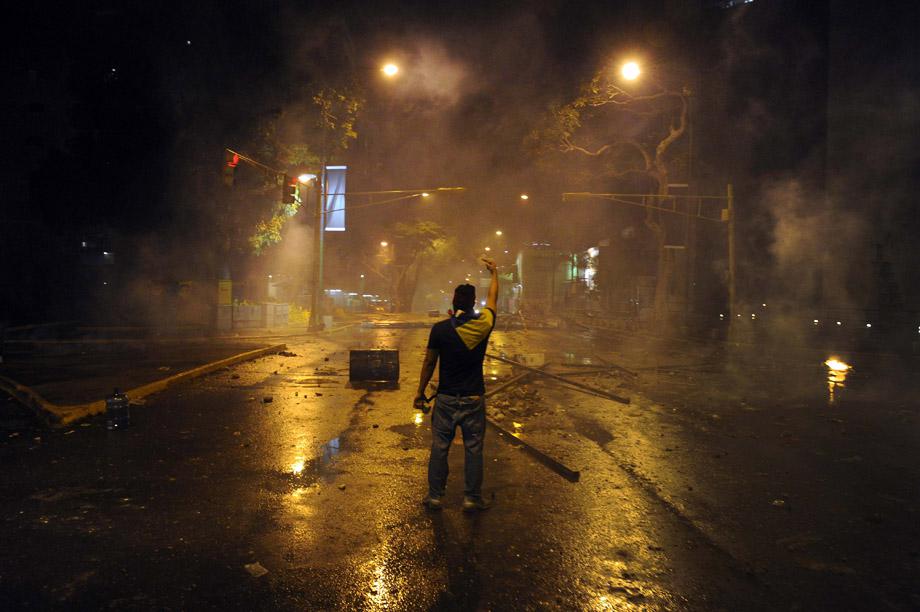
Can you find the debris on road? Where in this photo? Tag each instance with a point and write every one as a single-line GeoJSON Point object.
{"type": "Point", "coordinates": [256, 570]}
{"type": "Point", "coordinates": [342, 487]}
{"type": "Point", "coordinates": [288, 354]}
{"type": "Point", "coordinates": [267, 399]}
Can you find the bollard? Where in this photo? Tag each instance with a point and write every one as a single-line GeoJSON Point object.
{"type": "Point", "coordinates": [117, 412]}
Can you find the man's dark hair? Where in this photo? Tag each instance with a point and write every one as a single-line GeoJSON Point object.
{"type": "Point", "coordinates": [464, 297]}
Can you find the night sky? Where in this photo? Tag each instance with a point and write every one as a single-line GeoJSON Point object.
{"type": "Point", "coordinates": [119, 114]}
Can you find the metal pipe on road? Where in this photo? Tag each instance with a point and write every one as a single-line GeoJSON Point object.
{"type": "Point", "coordinates": [606, 370]}
{"type": "Point", "coordinates": [577, 385]}
{"type": "Point", "coordinates": [507, 384]}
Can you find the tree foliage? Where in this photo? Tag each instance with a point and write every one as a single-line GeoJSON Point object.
{"type": "Point", "coordinates": [414, 244]}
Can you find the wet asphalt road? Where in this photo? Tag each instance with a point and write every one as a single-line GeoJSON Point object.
{"type": "Point", "coordinates": [731, 482]}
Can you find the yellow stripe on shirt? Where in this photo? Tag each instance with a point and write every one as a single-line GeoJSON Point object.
{"type": "Point", "coordinates": [475, 331]}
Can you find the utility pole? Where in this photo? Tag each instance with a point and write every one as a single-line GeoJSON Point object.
{"type": "Point", "coordinates": [730, 205]}
{"type": "Point", "coordinates": [316, 300]}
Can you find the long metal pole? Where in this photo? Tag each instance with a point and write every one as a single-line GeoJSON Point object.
{"type": "Point", "coordinates": [316, 301]}
{"type": "Point", "coordinates": [320, 292]}
{"type": "Point", "coordinates": [577, 385]}
{"type": "Point", "coordinates": [730, 197]}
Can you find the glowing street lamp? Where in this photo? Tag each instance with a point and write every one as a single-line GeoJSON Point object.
{"type": "Point", "coordinates": [384, 243]}
{"type": "Point", "coordinates": [306, 178]}
{"type": "Point", "coordinates": [498, 232]}
{"type": "Point", "coordinates": [630, 71]}
{"type": "Point", "coordinates": [524, 196]}
{"type": "Point", "coordinates": [390, 70]}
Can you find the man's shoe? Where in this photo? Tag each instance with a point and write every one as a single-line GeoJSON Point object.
{"type": "Point", "coordinates": [474, 505]}
{"type": "Point", "coordinates": [432, 503]}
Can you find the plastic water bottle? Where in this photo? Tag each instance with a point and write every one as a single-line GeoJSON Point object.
{"type": "Point", "coordinates": [117, 412]}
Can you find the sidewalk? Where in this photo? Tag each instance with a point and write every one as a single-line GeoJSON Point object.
{"type": "Point", "coordinates": [66, 381]}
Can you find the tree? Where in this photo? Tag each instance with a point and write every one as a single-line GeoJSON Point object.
{"type": "Point", "coordinates": [334, 113]}
{"type": "Point", "coordinates": [414, 243]}
{"type": "Point", "coordinates": [630, 133]}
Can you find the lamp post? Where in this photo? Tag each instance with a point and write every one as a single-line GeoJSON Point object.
{"type": "Point", "coordinates": [390, 71]}
{"type": "Point", "coordinates": [316, 299]}
{"type": "Point", "coordinates": [631, 71]}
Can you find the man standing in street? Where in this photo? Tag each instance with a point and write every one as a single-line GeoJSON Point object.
{"type": "Point", "coordinates": [460, 344]}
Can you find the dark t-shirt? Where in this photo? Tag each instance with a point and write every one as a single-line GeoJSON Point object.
{"type": "Point", "coordinates": [461, 344]}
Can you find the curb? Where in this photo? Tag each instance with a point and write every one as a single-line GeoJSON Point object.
{"type": "Point", "coordinates": [59, 416]}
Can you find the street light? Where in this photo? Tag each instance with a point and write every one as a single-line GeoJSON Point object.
{"type": "Point", "coordinates": [630, 71]}
{"type": "Point", "coordinates": [384, 243]}
{"type": "Point", "coordinates": [390, 70]}
{"type": "Point", "coordinates": [524, 196]}
{"type": "Point", "coordinates": [306, 178]}
{"type": "Point", "coordinates": [498, 232]}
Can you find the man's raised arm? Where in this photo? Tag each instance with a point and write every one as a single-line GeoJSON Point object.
{"type": "Point", "coordinates": [492, 300]}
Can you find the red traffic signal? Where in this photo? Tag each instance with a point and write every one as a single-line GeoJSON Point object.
{"type": "Point", "coordinates": [231, 160]}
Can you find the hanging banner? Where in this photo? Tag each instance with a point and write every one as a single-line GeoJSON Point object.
{"type": "Point", "coordinates": [334, 198]}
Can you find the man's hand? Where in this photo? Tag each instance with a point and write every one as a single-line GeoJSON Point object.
{"type": "Point", "coordinates": [421, 403]}
{"type": "Point", "coordinates": [490, 265]}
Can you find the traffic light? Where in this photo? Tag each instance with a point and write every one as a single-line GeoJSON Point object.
{"type": "Point", "coordinates": [289, 195]}
{"type": "Point", "coordinates": [231, 160]}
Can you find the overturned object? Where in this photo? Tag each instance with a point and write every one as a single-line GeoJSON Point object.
{"type": "Point", "coordinates": [379, 365]}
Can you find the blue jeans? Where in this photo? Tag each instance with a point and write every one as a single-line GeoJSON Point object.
{"type": "Point", "coordinates": [470, 414]}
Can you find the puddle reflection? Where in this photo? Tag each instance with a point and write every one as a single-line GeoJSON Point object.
{"type": "Point", "coordinates": [837, 371]}
{"type": "Point", "coordinates": [301, 465]}
{"type": "Point", "coordinates": [330, 450]}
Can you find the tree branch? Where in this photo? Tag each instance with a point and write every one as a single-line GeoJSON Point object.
{"type": "Point", "coordinates": [567, 146]}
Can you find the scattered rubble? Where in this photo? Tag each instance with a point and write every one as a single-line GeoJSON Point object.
{"type": "Point", "coordinates": [256, 570]}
